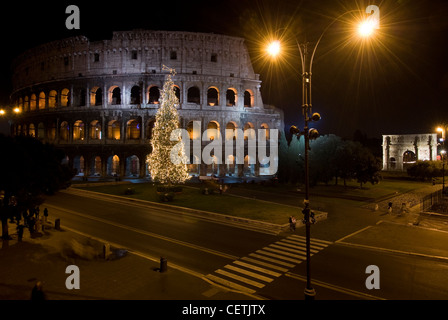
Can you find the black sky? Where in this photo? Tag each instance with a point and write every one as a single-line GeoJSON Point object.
{"type": "Point", "coordinates": [398, 83]}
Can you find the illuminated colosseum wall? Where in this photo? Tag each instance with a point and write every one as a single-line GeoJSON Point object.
{"type": "Point", "coordinates": [98, 99]}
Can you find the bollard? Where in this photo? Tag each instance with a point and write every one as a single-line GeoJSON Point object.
{"type": "Point", "coordinates": [106, 250]}
{"type": "Point", "coordinates": [163, 264]}
{"type": "Point", "coordinates": [57, 224]}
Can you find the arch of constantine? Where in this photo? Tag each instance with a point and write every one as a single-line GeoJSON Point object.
{"type": "Point", "coordinates": [401, 151]}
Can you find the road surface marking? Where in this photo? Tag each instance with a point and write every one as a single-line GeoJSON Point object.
{"type": "Point", "coordinates": [335, 287]}
{"type": "Point", "coordinates": [229, 284]}
{"type": "Point", "coordinates": [249, 273]}
{"type": "Point", "coordinates": [239, 278]}
{"type": "Point", "coordinates": [147, 233]}
{"type": "Point", "coordinates": [250, 266]}
{"type": "Point", "coordinates": [286, 264]}
{"type": "Point", "coordinates": [352, 234]}
{"type": "Point", "coordinates": [279, 256]}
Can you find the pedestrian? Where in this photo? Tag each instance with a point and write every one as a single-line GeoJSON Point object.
{"type": "Point", "coordinates": [20, 228]}
{"type": "Point", "coordinates": [31, 223]}
{"type": "Point", "coordinates": [45, 214]}
{"type": "Point", "coordinates": [389, 208]}
{"type": "Point", "coordinates": [37, 294]}
{"type": "Point", "coordinates": [294, 221]}
{"type": "Point", "coordinates": [290, 223]}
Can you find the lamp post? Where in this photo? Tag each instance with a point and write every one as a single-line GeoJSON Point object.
{"type": "Point", "coordinates": [365, 29]}
{"type": "Point", "coordinates": [442, 153]}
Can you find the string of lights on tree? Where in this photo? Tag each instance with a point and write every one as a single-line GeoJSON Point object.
{"type": "Point", "coordinates": [163, 170]}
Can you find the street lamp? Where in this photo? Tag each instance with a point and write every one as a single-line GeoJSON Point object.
{"type": "Point", "coordinates": [365, 29]}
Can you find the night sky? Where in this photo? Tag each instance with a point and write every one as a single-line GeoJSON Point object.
{"type": "Point", "coordinates": [395, 82]}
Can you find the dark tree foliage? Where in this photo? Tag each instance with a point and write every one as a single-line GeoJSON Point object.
{"type": "Point", "coordinates": [330, 157]}
{"type": "Point", "coordinates": [423, 170]}
{"type": "Point", "coordinates": [29, 169]}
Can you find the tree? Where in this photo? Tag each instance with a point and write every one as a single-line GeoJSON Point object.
{"type": "Point", "coordinates": [166, 141]}
{"type": "Point", "coordinates": [28, 170]}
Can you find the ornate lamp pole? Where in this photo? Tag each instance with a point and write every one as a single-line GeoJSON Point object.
{"type": "Point", "coordinates": [365, 29]}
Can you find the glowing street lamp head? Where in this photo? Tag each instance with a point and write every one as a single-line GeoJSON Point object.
{"type": "Point", "coordinates": [273, 48]}
{"type": "Point", "coordinates": [366, 28]}
{"type": "Point", "coordinates": [2, 112]}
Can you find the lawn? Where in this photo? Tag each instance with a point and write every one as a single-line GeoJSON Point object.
{"type": "Point", "coordinates": [242, 202]}
{"type": "Point", "coordinates": [191, 197]}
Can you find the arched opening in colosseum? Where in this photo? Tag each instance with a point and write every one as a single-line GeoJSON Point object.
{"type": "Point", "coordinates": [79, 165]}
{"type": "Point", "coordinates": [191, 133]}
{"type": "Point", "coordinates": [153, 95]}
{"type": "Point", "coordinates": [194, 95]}
{"type": "Point", "coordinates": [133, 129]}
{"type": "Point", "coordinates": [213, 168]}
{"type": "Point", "coordinates": [52, 131]}
{"type": "Point", "coordinates": [27, 103]}
{"type": "Point", "coordinates": [41, 130]}
{"type": "Point", "coordinates": [249, 166]}
{"type": "Point", "coordinates": [33, 102]}
{"type": "Point", "coordinates": [64, 131]}
{"type": "Point", "coordinates": [114, 130]}
{"type": "Point", "coordinates": [265, 128]}
{"type": "Point", "coordinates": [193, 166]}
{"type": "Point", "coordinates": [78, 130]}
{"type": "Point", "coordinates": [231, 167]}
{"type": "Point", "coordinates": [65, 98]}
{"type": "Point", "coordinates": [42, 100]}
{"type": "Point", "coordinates": [249, 131]}
{"type": "Point", "coordinates": [135, 95]}
{"type": "Point", "coordinates": [21, 103]}
{"type": "Point", "coordinates": [52, 99]}
{"type": "Point", "coordinates": [231, 132]}
{"type": "Point", "coordinates": [96, 96]}
{"type": "Point", "coordinates": [96, 166]}
{"type": "Point", "coordinates": [95, 130]}
{"type": "Point", "coordinates": [212, 96]}
{"type": "Point", "coordinates": [114, 95]}
{"type": "Point", "coordinates": [149, 128]}
{"type": "Point", "coordinates": [113, 166]}
{"type": "Point", "coordinates": [31, 130]}
{"type": "Point", "coordinates": [248, 99]}
{"type": "Point", "coordinates": [213, 130]}
{"type": "Point", "coordinates": [231, 97]}
{"type": "Point", "coordinates": [132, 166]}
{"type": "Point", "coordinates": [177, 92]}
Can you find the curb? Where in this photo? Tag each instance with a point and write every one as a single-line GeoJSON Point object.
{"type": "Point", "coordinates": [256, 225]}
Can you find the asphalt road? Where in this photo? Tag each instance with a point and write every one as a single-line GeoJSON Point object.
{"type": "Point", "coordinates": [412, 262]}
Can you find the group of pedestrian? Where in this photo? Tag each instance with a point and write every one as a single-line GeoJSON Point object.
{"type": "Point", "coordinates": [33, 221]}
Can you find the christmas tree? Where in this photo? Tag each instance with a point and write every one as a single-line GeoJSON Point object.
{"type": "Point", "coordinates": [167, 161]}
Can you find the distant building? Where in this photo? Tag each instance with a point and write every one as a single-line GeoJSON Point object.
{"type": "Point", "coordinates": [401, 151]}
{"type": "Point", "coordinates": [97, 100]}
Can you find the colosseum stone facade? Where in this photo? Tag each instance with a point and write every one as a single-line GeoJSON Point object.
{"type": "Point", "coordinates": [98, 99]}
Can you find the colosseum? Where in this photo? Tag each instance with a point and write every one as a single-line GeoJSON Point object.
{"type": "Point", "coordinates": [98, 99]}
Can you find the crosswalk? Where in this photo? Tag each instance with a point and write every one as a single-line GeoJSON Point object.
{"type": "Point", "coordinates": [257, 269]}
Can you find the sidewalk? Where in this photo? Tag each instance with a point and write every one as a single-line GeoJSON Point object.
{"type": "Point", "coordinates": [124, 276]}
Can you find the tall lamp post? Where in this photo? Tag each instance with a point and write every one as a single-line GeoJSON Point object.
{"type": "Point", "coordinates": [365, 29]}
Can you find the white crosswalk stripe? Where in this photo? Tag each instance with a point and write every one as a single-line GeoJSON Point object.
{"type": "Point", "coordinates": [263, 266]}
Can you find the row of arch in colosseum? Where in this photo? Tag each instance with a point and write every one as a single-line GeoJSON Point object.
{"type": "Point", "coordinates": [125, 165]}
{"type": "Point", "coordinates": [116, 130]}
{"type": "Point", "coordinates": [113, 96]}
